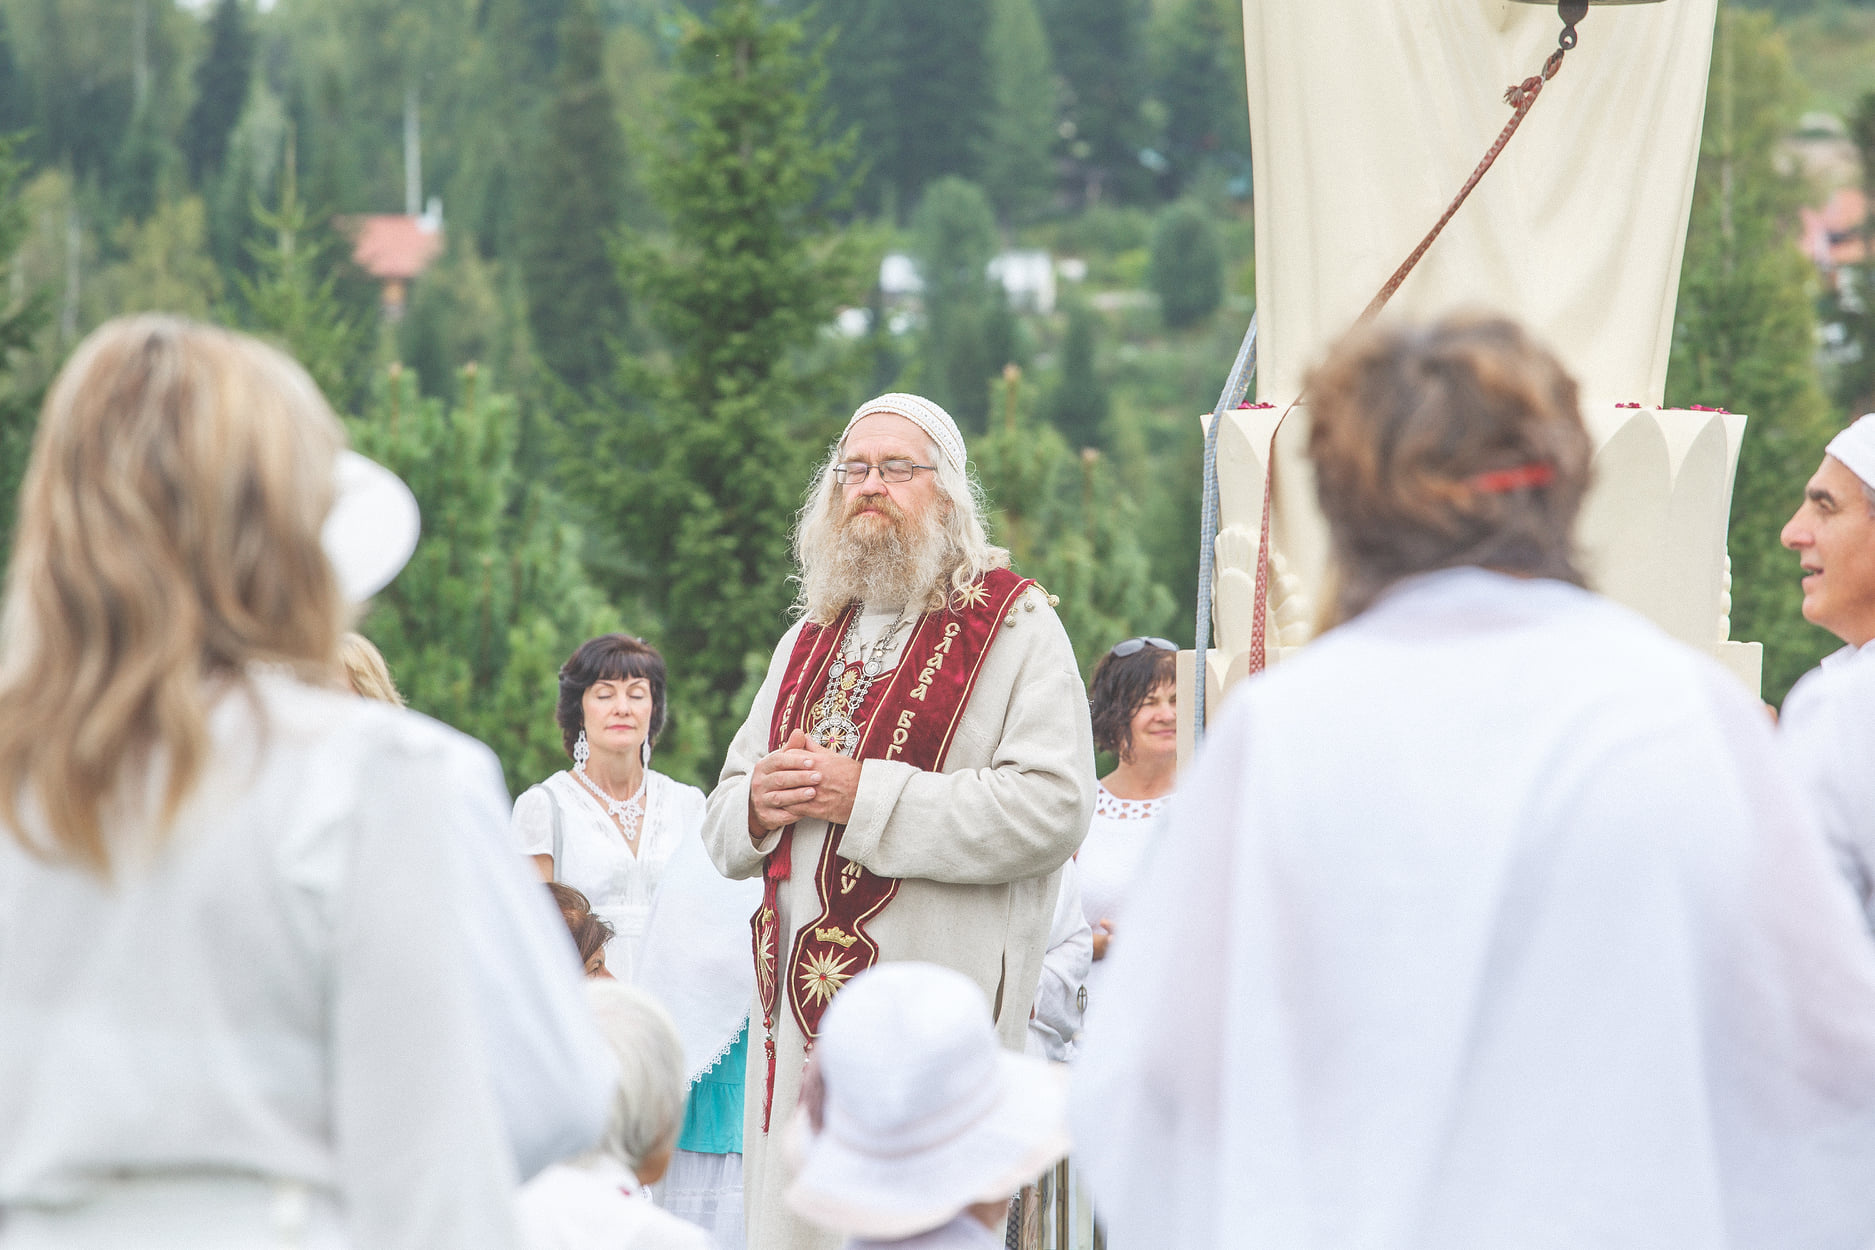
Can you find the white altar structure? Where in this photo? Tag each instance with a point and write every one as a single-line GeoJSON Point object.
{"type": "Point", "coordinates": [1366, 117]}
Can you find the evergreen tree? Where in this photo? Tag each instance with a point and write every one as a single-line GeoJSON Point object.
{"type": "Point", "coordinates": [495, 598]}
{"type": "Point", "coordinates": [1745, 334]}
{"type": "Point", "coordinates": [940, 96]}
{"type": "Point", "coordinates": [1079, 403]}
{"type": "Point", "coordinates": [221, 86]}
{"type": "Point", "coordinates": [864, 42]}
{"type": "Point", "coordinates": [287, 299]}
{"type": "Point", "coordinates": [1069, 524]}
{"type": "Point", "coordinates": [22, 317]}
{"type": "Point", "coordinates": [576, 303]}
{"type": "Point", "coordinates": [1015, 156]}
{"type": "Point", "coordinates": [954, 238]}
{"type": "Point", "coordinates": [1187, 270]}
{"type": "Point", "coordinates": [1099, 50]}
{"type": "Point", "coordinates": [16, 106]}
{"type": "Point", "coordinates": [699, 482]}
{"type": "Point", "coordinates": [1199, 80]}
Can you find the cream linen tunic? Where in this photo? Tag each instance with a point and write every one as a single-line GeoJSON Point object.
{"type": "Point", "coordinates": [303, 1013]}
{"type": "Point", "coordinates": [1827, 729]}
{"type": "Point", "coordinates": [978, 848]}
{"type": "Point", "coordinates": [1488, 922]}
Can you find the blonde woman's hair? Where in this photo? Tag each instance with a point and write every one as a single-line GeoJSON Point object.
{"type": "Point", "coordinates": [168, 538]}
{"type": "Point", "coordinates": [365, 670]}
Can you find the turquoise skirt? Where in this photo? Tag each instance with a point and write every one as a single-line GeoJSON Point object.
{"type": "Point", "coordinates": [713, 1112]}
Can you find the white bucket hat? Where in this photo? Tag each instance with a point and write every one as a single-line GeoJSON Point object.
{"type": "Point", "coordinates": [373, 527]}
{"type": "Point", "coordinates": [921, 1114]}
{"type": "Point", "coordinates": [1855, 447]}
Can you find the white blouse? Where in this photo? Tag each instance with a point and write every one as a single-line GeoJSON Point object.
{"type": "Point", "coordinates": [329, 997]}
{"type": "Point", "coordinates": [1110, 861]}
{"type": "Point", "coordinates": [596, 861]}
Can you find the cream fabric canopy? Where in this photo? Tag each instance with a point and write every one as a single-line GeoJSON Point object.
{"type": "Point", "coordinates": [1366, 116]}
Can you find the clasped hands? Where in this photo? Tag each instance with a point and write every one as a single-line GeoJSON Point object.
{"type": "Point", "coordinates": [800, 780]}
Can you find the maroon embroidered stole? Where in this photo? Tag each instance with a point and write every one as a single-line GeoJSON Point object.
{"type": "Point", "coordinates": [912, 718]}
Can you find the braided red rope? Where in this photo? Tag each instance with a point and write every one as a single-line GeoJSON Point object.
{"type": "Point", "coordinates": [1521, 98]}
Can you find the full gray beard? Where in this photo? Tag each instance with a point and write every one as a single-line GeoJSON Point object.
{"type": "Point", "coordinates": [876, 563]}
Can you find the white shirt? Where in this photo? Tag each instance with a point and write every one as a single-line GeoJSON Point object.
{"type": "Point", "coordinates": [619, 884]}
{"type": "Point", "coordinates": [598, 1205]}
{"type": "Point", "coordinates": [1060, 997]}
{"type": "Point", "coordinates": [1489, 920]}
{"type": "Point", "coordinates": [1110, 861]}
{"type": "Point", "coordinates": [332, 974]}
{"type": "Point", "coordinates": [1828, 734]}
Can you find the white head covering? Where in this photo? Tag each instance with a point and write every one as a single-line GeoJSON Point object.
{"type": "Point", "coordinates": [373, 527]}
{"type": "Point", "coordinates": [923, 1113]}
{"type": "Point", "coordinates": [926, 415]}
{"type": "Point", "coordinates": [1855, 447]}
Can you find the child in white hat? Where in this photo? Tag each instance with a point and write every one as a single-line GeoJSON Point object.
{"type": "Point", "coordinates": [915, 1127]}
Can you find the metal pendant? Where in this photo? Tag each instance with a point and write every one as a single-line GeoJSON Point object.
{"type": "Point", "coordinates": [835, 733]}
{"type": "Point", "coordinates": [874, 668]}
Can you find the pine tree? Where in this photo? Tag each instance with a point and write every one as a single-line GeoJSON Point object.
{"type": "Point", "coordinates": [1069, 523]}
{"type": "Point", "coordinates": [576, 303]}
{"type": "Point", "coordinates": [1199, 79]}
{"type": "Point", "coordinates": [940, 97]}
{"type": "Point", "coordinates": [1745, 334]}
{"type": "Point", "coordinates": [22, 317]}
{"type": "Point", "coordinates": [698, 472]}
{"type": "Point", "coordinates": [1015, 155]}
{"type": "Point", "coordinates": [495, 598]}
{"type": "Point", "coordinates": [864, 42]}
{"type": "Point", "coordinates": [954, 237]}
{"type": "Point", "coordinates": [1079, 403]}
{"type": "Point", "coordinates": [1099, 50]}
{"type": "Point", "coordinates": [221, 85]}
{"type": "Point", "coordinates": [1187, 269]}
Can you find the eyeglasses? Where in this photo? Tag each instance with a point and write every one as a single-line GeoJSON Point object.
{"type": "Point", "coordinates": [855, 472]}
{"type": "Point", "coordinates": [1133, 646]}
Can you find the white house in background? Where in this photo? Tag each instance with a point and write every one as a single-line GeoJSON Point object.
{"type": "Point", "coordinates": [1027, 278]}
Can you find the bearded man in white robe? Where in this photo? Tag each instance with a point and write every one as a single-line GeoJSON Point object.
{"type": "Point", "coordinates": [915, 769]}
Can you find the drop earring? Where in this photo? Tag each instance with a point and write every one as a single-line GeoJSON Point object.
{"type": "Point", "coordinates": [581, 751]}
{"type": "Point", "coordinates": [644, 752]}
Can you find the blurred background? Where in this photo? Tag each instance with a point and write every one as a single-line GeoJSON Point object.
{"type": "Point", "coordinates": [602, 278]}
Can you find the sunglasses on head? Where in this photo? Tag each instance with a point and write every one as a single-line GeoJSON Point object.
{"type": "Point", "coordinates": [1133, 646]}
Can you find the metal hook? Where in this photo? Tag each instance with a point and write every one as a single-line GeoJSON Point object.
{"type": "Point", "coordinates": [1571, 12]}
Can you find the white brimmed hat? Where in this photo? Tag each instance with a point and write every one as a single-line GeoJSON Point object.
{"type": "Point", "coordinates": [921, 1113]}
{"type": "Point", "coordinates": [373, 527]}
{"type": "Point", "coordinates": [1855, 447]}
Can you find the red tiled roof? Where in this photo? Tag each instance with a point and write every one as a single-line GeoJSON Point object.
{"type": "Point", "coordinates": [1832, 234]}
{"type": "Point", "coordinates": [394, 246]}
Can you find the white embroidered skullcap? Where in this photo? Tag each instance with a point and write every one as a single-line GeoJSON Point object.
{"type": "Point", "coordinates": [921, 412]}
{"type": "Point", "coordinates": [1855, 447]}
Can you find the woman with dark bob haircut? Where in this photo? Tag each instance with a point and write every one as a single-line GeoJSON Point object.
{"type": "Point", "coordinates": [629, 838]}
{"type": "Point", "coordinates": [1135, 709]}
{"type": "Point", "coordinates": [1492, 918]}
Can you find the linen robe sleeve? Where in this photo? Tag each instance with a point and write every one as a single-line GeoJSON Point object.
{"type": "Point", "coordinates": [463, 1054]}
{"type": "Point", "coordinates": [1020, 817]}
{"type": "Point", "coordinates": [1827, 732]}
{"type": "Point", "coordinates": [726, 814]}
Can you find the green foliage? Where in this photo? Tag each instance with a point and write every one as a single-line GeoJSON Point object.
{"type": "Point", "coordinates": [1069, 524]}
{"type": "Point", "coordinates": [221, 84]}
{"type": "Point", "coordinates": [1019, 131]}
{"type": "Point", "coordinates": [476, 626]}
{"type": "Point", "coordinates": [696, 469]}
{"type": "Point", "coordinates": [1099, 48]}
{"type": "Point", "coordinates": [1187, 270]}
{"type": "Point", "coordinates": [287, 300]}
{"type": "Point", "coordinates": [941, 92]}
{"type": "Point", "coordinates": [166, 266]}
{"type": "Point", "coordinates": [575, 300]}
{"type": "Point", "coordinates": [1745, 335]}
{"type": "Point", "coordinates": [1199, 81]}
{"type": "Point", "coordinates": [22, 317]}
{"type": "Point", "coordinates": [1079, 403]}
{"type": "Point", "coordinates": [954, 237]}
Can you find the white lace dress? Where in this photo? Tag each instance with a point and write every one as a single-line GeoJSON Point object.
{"type": "Point", "coordinates": [1110, 861]}
{"type": "Point", "coordinates": [620, 885]}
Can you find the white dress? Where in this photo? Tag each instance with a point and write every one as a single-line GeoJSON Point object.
{"type": "Point", "coordinates": [620, 885]}
{"type": "Point", "coordinates": [1489, 920]}
{"type": "Point", "coordinates": [1110, 862]}
{"type": "Point", "coordinates": [330, 1005]}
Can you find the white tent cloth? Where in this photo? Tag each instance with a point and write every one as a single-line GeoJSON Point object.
{"type": "Point", "coordinates": [1366, 116]}
{"type": "Point", "coordinates": [1489, 920]}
